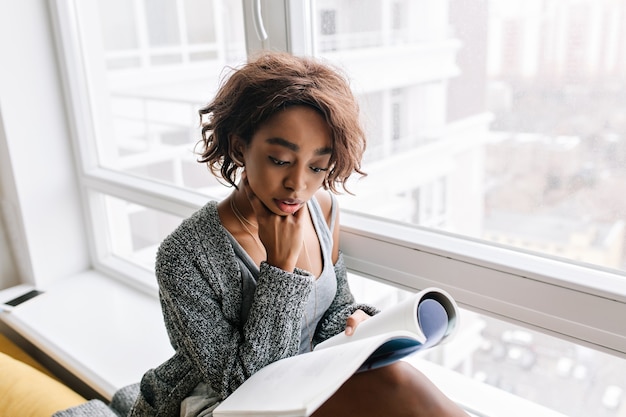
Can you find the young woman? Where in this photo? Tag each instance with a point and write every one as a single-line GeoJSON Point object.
{"type": "Point", "coordinates": [259, 276]}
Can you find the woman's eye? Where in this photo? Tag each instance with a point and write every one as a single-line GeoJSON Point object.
{"type": "Point", "coordinates": [278, 161]}
{"type": "Point", "coordinates": [318, 170]}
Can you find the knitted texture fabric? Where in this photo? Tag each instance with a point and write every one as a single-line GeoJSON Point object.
{"type": "Point", "coordinates": [120, 405]}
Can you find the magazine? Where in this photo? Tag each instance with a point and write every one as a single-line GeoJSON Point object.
{"type": "Point", "coordinates": [298, 385]}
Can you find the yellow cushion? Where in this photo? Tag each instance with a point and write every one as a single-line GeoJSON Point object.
{"type": "Point", "coordinates": [27, 392]}
{"type": "Point", "coordinates": [11, 349]}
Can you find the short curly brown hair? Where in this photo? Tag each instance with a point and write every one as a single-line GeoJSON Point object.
{"type": "Point", "coordinates": [268, 84]}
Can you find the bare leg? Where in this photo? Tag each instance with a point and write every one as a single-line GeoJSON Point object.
{"type": "Point", "coordinates": [395, 390]}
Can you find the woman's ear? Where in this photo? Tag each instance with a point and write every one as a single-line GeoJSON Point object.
{"type": "Point", "coordinates": [237, 146]}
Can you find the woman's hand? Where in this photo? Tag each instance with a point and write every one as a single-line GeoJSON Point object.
{"type": "Point", "coordinates": [353, 321]}
{"type": "Point", "coordinates": [282, 236]}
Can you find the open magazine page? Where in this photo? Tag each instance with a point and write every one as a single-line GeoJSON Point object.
{"type": "Point", "coordinates": [405, 316]}
{"type": "Point", "coordinates": [298, 385]}
{"type": "Point", "coordinates": [433, 320]}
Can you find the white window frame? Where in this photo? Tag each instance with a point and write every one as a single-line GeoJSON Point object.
{"type": "Point", "coordinates": [581, 303]}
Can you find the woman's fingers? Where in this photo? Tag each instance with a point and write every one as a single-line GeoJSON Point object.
{"type": "Point", "coordinates": [354, 320]}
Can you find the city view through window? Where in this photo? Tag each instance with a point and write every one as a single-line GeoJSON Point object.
{"type": "Point", "coordinates": [502, 120]}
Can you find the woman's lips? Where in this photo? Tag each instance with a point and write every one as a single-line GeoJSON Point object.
{"type": "Point", "coordinates": [289, 206]}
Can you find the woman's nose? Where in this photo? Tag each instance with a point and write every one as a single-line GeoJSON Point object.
{"type": "Point", "coordinates": [295, 179]}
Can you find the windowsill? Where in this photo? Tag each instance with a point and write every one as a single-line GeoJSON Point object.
{"type": "Point", "coordinates": [479, 399]}
{"type": "Point", "coordinates": [102, 331]}
{"type": "Point", "coordinates": [108, 334]}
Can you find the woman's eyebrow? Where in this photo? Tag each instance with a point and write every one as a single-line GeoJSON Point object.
{"type": "Point", "coordinates": [282, 142]}
{"type": "Point", "coordinates": [292, 146]}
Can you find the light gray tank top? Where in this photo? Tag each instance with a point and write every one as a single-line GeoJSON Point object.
{"type": "Point", "coordinates": [325, 286]}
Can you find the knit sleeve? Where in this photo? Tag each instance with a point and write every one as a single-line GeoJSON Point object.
{"type": "Point", "coordinates": [343, 305]}
{"type": "Point", "coordinates": [203, 324]}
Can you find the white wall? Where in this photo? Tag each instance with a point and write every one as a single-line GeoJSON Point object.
{"type": "Point", "coordinates": [40, 197]}
{"type": "Point", "coordinates": [8, 269]}
{"type": "Point", "coordinates": [8, 273]}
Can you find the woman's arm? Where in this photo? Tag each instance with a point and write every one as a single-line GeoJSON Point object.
{"type": "Point", "coordinates": [202, 313]}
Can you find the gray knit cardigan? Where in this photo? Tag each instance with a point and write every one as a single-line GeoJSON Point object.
{"type": "Point", "coordinates": [200, 289]}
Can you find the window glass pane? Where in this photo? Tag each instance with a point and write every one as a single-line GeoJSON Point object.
{"type": "Point", "coordinates": [152, 65]}
{"type": "Point", "coordinates": [119, 31]}
{"type": "Point", "coordinates": [498, 119]}
{"type": "Point", "coordinates": [568, 378]}
{"type": "Point", "coordinates": [135, 231]}
{"type": "Point", "coordinates": [200, 27]}
{"type": "Point", "coordinates": [162, 22]}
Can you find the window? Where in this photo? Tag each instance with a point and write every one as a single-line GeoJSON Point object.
{"type": "Point", "coordinates": [151, 65]}
{"type": "Point", "coordinates": [148, 67]}
{"type": "Point", "coordinates": [135, 230]}
{"type": "Point", "coordinates": [538, 164]}
{"type": "Point", "coordinates": [430, 204]}
{"type": "Point", "coordinates": [490, 173]}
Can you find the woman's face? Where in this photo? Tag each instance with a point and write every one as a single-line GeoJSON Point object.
{"type": "Point", "coordinates": [287, 159]}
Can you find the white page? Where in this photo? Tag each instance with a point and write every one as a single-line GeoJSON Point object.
{"type": "Point", "coordinates": [298, 385]}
